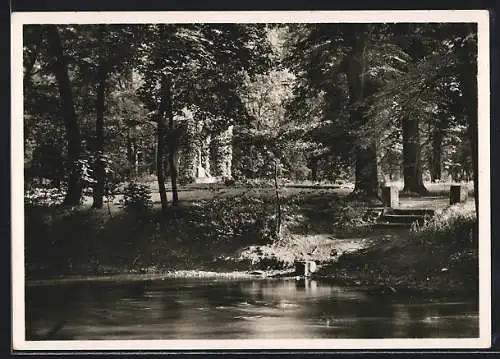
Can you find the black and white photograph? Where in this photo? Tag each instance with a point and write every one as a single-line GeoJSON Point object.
{"type": "Point", "coordinates": [245, 180]}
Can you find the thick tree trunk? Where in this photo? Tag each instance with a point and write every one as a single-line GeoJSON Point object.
{"type": "Point", "coordinates": [412, 161]}
{"type": "Point", "coordinates": [75, 188]}
{"type": "Point", "coordinates": [100, 174]}
{"type": "Point", "coordinates": [160, 144]}
{"type": "Point", "coordinates": [366, 169]}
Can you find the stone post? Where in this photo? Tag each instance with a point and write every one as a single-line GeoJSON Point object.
{"type": "Point", "coordinates": [305, 268]}
{"type": "Point", "coordinates": [390, 196]}
{"type": "Point", "coordinates": [458, 194]}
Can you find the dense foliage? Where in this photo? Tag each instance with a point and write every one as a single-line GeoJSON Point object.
{"type": "Point", "coordinates": [366, 103]}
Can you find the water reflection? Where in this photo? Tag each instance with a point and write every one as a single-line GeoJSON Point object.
{"type": "Point", "coordinates": [195, 309]}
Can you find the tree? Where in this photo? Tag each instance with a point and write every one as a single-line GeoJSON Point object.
{"type": "Point", "coordinates": [161, 130]}
{"type": "Point", "coordinates": [355, 65]}
{"type": "Point", "coordinates": [74, 191]}
{"type": "Point", "coordinates": [266, 136]}
{"type": "Point", "coordinates": [407, 38]}
{"type": "Point", "coordinates": [348, 61]}
{"type": "Point", "coordinates": [99, 60]}
{"type": "Point", "coordinates": [99, 170]}
{"type": "Point", "coordinates": [442, 86]}
{"type": "Point", "coordinates": [115, 48]}
{"type": "Point", "coordinates": [437, 136]}
{"type": "Point", "coordinates": [412, 161]}
{"type": "Point", "coordinates": [465, 46]}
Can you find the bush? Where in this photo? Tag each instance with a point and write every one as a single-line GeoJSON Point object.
{"type": "Point", "coordinates": [234, 220]}
{"type": "Point", "coordinates": [43, 196]}
{"type": "Point", "coordinates": [351, 215]}
{"type": "Point", "coordinates": [455, 225]}
{"type": "Point", "coordinates": [228, 181]}
{"type": "Point", "coordinates": [136, 198]}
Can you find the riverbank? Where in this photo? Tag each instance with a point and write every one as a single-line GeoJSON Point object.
{"type": "Point", "coordinates": [234, 237]}
{"type": "Point", "coordinates": [441, 255]}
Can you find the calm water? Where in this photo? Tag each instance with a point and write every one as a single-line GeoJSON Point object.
{"type": "Point", "coordinates": [252, 309]}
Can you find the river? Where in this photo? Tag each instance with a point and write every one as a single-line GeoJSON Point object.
{"type": "Point", "coordinates": [238, 309]}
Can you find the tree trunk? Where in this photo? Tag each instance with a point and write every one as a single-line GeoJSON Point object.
{"type": "Point", "coordinates": [172, 150]}
{"type": "Point", "coordinates": [152, 156]}
{"type": "Point", "coordinates": [75, 188]}
{"type": "Point", "coordinates": [314, 169]}
{"type": "Point", "coordinates": [412, 161]}
{"type": "Point", "coordinates": [366, 171]}
{"type": "Point", "coordinates": [160, 172]}
{"type": "Point", "coordinates": [134, 161]}
{"type": "Point", "coordinates": [100, 174]}
{"type": "Point", "coordinates": [437, 148]}
{"type": "Point", "coordinates": [436, 157]}
{"type": "Point", "coordinates": [468, 78]}
{"type": "Point", "coordinates": [472, 133]}
{"type": "Point", "coordinates": [160, 144]}
{"type": "Point", "coordinates": [278, 205]}
{"type": "Point", "coordinates": [130, 155]}
{"type": "Point", "coordinates": [173, 176]}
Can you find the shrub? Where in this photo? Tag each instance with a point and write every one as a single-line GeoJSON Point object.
{"type": "Point", "coordinates": [43, 196]}
{"type": "Point", "coordinates": [228, 181]}
{"type": "Point", "coordinates": [352, 215]}
{"type": "Point", "coordinates": [136, 198]}
{"type": "Point", "coordinates": [455, 225]}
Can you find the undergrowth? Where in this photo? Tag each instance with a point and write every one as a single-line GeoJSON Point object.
{"type": "Point", "coordinates": [456, 225]}
{"type": "Point", "coordinates": [441, 252]}
{"type": "Point", "coordinates": [62, 239]}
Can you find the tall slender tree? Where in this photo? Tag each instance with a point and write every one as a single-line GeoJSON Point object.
{"type": "Point", "coordinates": [75, 188]}
{"type": "Point", "coordinates": [99, 166]}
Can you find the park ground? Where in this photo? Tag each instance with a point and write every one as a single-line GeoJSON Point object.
{"type": "Point", "coordinates": [230, 231]}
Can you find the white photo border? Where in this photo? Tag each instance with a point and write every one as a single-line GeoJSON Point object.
{"type": "Point", "coordinates": [18, 19]}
